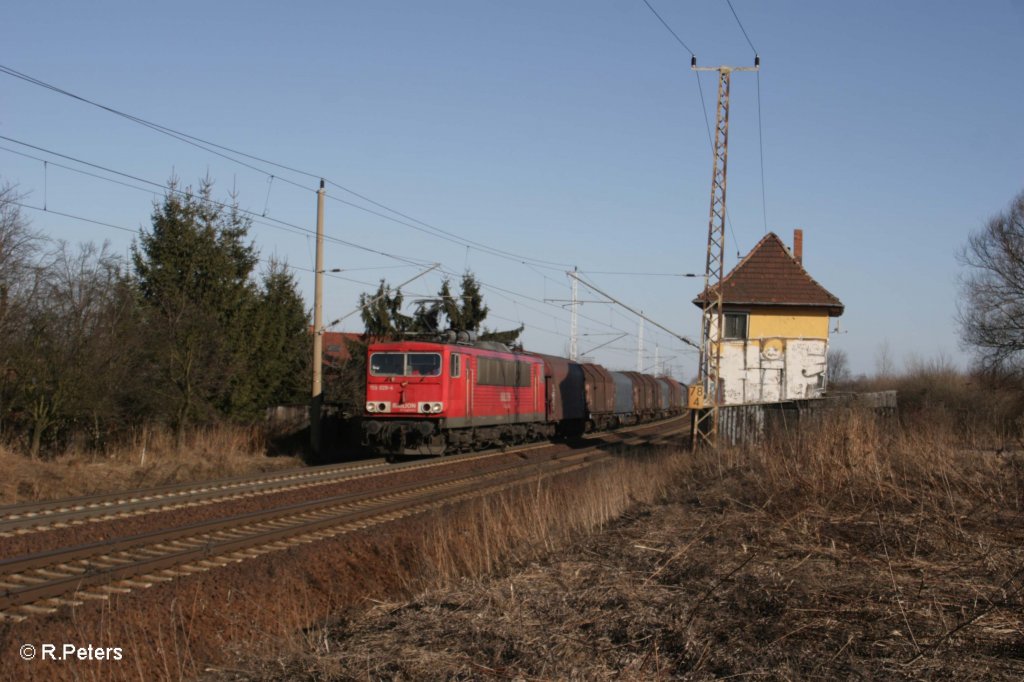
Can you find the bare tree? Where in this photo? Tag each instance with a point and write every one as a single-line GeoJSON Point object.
{"type": "Point", "coordinates": [20, 247]}
{"type": "Point", "coordinates": [885, 366]}
{"type": "Point", "coordinates": [837, 371]}
{"type": "Point", "coordinates": [71, 357]}
{"type": "Point", "coordinates": [991, 310]}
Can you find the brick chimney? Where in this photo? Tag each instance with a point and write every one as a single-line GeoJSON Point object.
{"type": "Point", "coordinates": [798, 246]}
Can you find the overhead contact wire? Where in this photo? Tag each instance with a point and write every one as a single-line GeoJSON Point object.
{"type": "Point", "coordinates": [212, 148]}
{"type": "Point", "coordinates": [256, 217]}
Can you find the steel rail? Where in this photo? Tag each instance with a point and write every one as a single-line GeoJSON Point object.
{"type": "Point", "coordinates": [34, 516]}
{"type": "Point", "coordinates": [10, 515]}
{"type": "Point", "coordinates": [107, 563]}
{"type": "Point", "coordinates": [119, 505]}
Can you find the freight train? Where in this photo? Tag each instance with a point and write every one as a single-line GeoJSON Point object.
{"type": "Point", "coordinates": [458, 394]}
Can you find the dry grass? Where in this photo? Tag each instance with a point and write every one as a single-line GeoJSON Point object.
{"type": "Point", "coordinates": [858, 549]}
{"type": "Point", "coordinates": [213, 623]}
{"type": "Point", "coordinates": [149, 458]}
{"type": "Point", "coordinates": [482, 537]}
{"type": "Point", "coordinates": [532, 522]}
{"type": "Point", "coordinates": [982, 408]}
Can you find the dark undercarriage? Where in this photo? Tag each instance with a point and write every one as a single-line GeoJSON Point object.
{"type": "Point", "coordinates": [397, 437]}
{"type": "Point", "coordinates": [393, 437]}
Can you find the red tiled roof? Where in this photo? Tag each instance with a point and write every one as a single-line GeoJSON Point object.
{"type": "Point", "coordinates": [770, 276]}
{"type": "Point", "coordinates": [335, 347]}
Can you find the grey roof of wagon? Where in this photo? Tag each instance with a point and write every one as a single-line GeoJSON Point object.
{"type": "Point", "coordinates": [770, 276]}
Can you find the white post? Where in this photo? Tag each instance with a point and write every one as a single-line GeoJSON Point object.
{"type": "Point", "coordinates": [640, 346]}
{"type": "Point", "coordinates": [574, 331]}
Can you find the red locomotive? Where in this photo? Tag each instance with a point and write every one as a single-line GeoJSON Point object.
{"type": "Point", "coordinates": [437, 398]}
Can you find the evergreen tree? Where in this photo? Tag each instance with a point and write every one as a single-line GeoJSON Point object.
{"type": "Point", "coordinates": [274, 351]}
{"type": "Point", "coordinates": [382, 314]}
{"type": "Point", "coordinates": [467, 311]}
{"type": "Point", "coordinates": [509, 337]}
{"type": "Point", "coordinates": [221, 345]}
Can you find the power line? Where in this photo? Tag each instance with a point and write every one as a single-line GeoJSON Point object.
{"type": "Point", "coordinates": [703, 103]}
{"type": "Point", "coordinates": [638, 314]}
{"type": "Point", "coordinates": [552, 265]}
{"type": "Point", "coordinates": [729, 2]}
{"type": "Point", "coordinates": [760, 132]}
{"type": "Point", "coordinates": [47, 162]}
{"type": "Point", "coordinates": [212, 147]}
{"type": "Point", "coordinates": [438, 232]}
{"type": "Point", "coordinates": [255, 220]}
{"type": "Point", "coordinates": [332, 274]}
{"type": "Point", "coordinates": [760, 141]}
{"type": "Point", "coordinates": [255, 217]}
{"type": "Point", "coordinates": [72, 216]}
{"type": "Point", "coordinates": [704, 110]}
{"type": "Point", "coordinates": [501, 292]}
{"type": "Point", "coordinates": [164, 130]}
{"type": "Point", "coordinates": [672, 335]}
{"type": "Point", "coordinates": [669, 29]}
{"type": "Point", "coordinates": [641, 274]}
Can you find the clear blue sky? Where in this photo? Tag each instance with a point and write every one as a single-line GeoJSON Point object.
{"type": "Point", "coordinates": [569, 132]}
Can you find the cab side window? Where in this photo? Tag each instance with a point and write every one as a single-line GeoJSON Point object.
{"type": "Point", "coordinates": [456, 365]}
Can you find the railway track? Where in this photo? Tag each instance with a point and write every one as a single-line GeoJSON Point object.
{"type": "Point", "coordinates": [31, 517]}
{"type": "Point", "coordinates": [22, 518]}
{"type": "Point", "coordinates": [42, 583]}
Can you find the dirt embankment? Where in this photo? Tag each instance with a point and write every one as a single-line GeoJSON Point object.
{"type": "Point", "coordinates": [862, 554]}
{"type": "Point", "coordinates": [181, 628]}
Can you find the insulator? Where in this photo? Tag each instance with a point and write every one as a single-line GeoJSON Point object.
{"type": "Point", "coordinates": [693, 62]}
{"type": "Point", "coordinates": [757, 60]}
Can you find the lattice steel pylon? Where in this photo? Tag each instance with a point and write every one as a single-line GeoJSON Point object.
{"type": "Point", "coordinates": [705, 414]}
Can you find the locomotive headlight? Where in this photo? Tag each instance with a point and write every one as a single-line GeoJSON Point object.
{"type": "Point", "coordinates": [382, 407]}
{"type": "Point", "coordinates": [436, 407]}
{"type": "Point", "coordinates": [371, 407]}
{"type": "Point", "coordinates": [425, 408]}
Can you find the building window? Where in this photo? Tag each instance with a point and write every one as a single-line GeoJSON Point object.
{"type": "Point", "coordinates": [735, 326]}
{"type": "Point", "coordinates": [456, 365]}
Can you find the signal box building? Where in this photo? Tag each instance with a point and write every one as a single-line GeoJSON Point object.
{"type": "Point", "coordinates": [776, 325]}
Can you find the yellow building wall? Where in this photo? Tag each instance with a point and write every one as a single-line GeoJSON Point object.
{"type": "Point", "coordinates": [786, 323]}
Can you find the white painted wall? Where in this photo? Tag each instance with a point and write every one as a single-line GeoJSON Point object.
{"type": "Point", "coordinates": [770, 370]}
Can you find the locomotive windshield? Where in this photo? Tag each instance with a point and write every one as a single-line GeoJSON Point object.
{"type": "Point", "coordinates": [405, 364]}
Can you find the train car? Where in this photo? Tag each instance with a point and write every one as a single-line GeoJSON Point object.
{"type": "Point", "coordinates": [565, 395]}
{"type": "Point", "coordinates": [647, 396]}
{"type": "Point", "coordinates": [599, 396]}
{"type": "Point", "coordinates": [625, 399]}
{"type": "Point", "coordinates": [674, 396]}
{"type": "Point", "coordinates": [665, 392]}
{"type": "Point", "coordinates": [432, 398]}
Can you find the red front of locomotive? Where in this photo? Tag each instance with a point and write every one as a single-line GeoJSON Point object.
{"type": "Point", "coordinates": [405, 379]}
{"type": "Point", "coordinates": [423, 397]}
{"type": "Point", "coordinates": [407, 391]}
